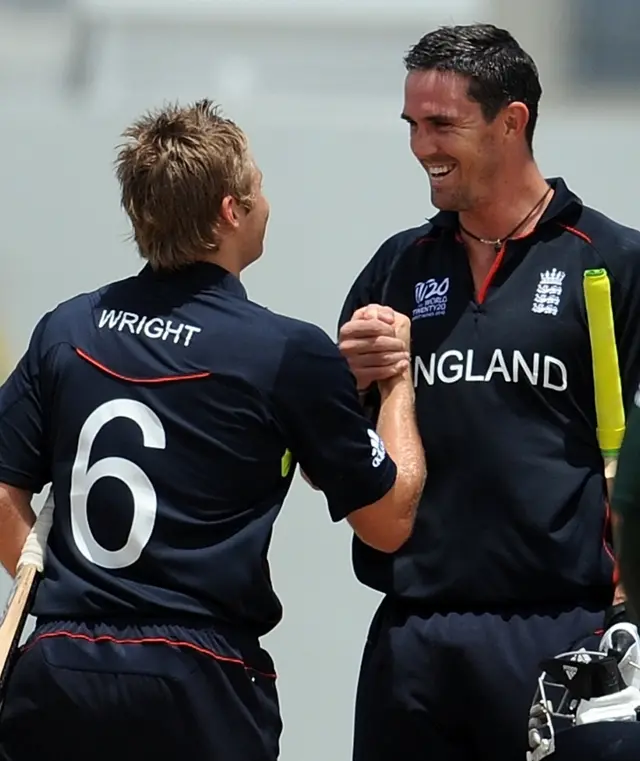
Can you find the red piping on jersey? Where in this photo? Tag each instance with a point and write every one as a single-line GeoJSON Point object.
{"type": "Point", "coordinates": [148, 641]}
{"type": "Point", "coordinates": [577, 233]}
{"type": "Point", "coordinates": [482, 293]}
{"type": "Point", "coordinates": [420, 241]}
{"type": "Point", "coordinates": [167, 379]}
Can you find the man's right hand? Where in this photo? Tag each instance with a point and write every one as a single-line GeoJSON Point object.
{"type": "Point", "coordinates": [375, 343]}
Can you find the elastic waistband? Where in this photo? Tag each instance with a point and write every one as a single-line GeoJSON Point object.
{"type": "Point", "coordinates": [198, 625]}
{"type": "Point", "coordinates": [220, 642]}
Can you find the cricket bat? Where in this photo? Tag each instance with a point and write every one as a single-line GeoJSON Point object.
{"type": "Point", "coordinates": [610, 417]}
{"type": "Point", "coordinates": [25, 583]}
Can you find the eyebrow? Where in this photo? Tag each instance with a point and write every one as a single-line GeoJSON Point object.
{"type": "Point", "coordinates": [434, 118]}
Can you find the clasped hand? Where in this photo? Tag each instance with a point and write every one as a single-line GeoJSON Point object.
{"type": "Point", "coordinates": [377, 344]}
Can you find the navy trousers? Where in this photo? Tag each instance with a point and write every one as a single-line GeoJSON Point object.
{"type": "Point", "coordinates": [164, 693]}
{"type": "Point", "coordinates": [456, 686]}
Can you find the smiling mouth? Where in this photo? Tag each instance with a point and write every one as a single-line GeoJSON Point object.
{"type": "Point", "coordinates": [438, 172]}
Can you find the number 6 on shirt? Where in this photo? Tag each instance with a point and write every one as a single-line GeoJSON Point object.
{"type": "Point", "coordinates": [83, 477]}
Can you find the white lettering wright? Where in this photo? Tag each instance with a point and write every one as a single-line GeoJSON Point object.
{"type": "Point", "coordinates": [453, 366]}
{"type": "Point", "coordinates": [155, 327]}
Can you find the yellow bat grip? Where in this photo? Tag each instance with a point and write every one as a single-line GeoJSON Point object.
{"type": "Point", "coordinates": [606, 371]}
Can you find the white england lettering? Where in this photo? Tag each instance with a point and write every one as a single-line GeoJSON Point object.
{"type": "Point", "coordinates": [468, 374]}
{"type": "Point", "coordinates": [453, 366]}
{"type": "Point", "coordinates": [498, 365]}
{"type": "Point", "coordinates": [155, 328]}
{"type": "Point", "coordinates": [426, 372]}
{"type": "Point", "coordinates": [553, 367]}
{"type": "Point", "coordinates": [519, 363]}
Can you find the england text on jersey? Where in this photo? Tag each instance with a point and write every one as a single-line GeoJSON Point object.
{"type": "Point", "coordinates": [453, 366]}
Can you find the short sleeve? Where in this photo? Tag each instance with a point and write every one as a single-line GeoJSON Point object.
{"type": "Point", "coordinates": [324, 425]}
{"type": "Point", "coordinates": [23, 462]}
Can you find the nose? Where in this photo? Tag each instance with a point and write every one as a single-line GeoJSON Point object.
{"type": "Point", "coordinates": [423, 144]}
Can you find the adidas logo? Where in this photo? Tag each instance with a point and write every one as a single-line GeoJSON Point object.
{"type": "Point", "coordinates": [378, 451]}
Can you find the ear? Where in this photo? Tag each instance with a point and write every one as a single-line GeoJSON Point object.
{"type": "Point", "coordinates": [516, 118]}
{"type": "Point", "coordinates": [229, 211]}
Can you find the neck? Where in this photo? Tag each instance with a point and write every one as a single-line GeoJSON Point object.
{"type": "Point", "coordinates": [507, 204]}
{"type": "Point", "coordinates": [226, 258]}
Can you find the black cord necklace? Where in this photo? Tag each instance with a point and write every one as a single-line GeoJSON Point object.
{"type": "Point", "coordinates": [498, 243]}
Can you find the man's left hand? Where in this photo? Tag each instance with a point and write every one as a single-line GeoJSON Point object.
{"type": "Point", "coordinates": [619, 596]}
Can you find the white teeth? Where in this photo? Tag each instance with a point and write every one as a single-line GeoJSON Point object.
{"type": "Point", "coordinates": [440, 171]}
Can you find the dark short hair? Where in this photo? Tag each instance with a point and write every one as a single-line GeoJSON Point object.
{"type": "Point", "coordinates": [499, 70]}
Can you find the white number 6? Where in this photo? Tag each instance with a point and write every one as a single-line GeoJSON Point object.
{"type": "Point", "coordinates": [83, 477]}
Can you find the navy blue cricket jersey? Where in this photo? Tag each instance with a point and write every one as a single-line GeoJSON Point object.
{"type": "Point", "coordinates": [514, 509]}
{"type": "Point", "coordinates": [169, 412]}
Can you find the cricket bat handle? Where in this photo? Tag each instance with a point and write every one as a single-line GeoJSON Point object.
{"type": "Point", "coordinates": [610, 469]}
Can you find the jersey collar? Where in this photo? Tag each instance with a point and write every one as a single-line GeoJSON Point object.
{"type": "Point", "coordinates": [563, 203]}
{"type": "Point", "coordinates": [199, 276]}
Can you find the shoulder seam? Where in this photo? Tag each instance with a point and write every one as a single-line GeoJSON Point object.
{"type": "Point", "coordinates": [596, 247]}
{"type": "Point", "coordinates": [38, 372]}
{"type": "Point", "coordinates": [604, 258]}
{"type": "Point", "coordinates": [583, 236]}
{"type": "Point", "coordinates": [396, 260]}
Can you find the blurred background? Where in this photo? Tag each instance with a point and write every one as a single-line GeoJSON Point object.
{"type": "Point", "coordinates": [317, 84]}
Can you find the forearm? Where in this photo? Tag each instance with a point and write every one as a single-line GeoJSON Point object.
{"type": "Point", "coordinates": [397, 427]}
{"type": "Point", "coordinates": [16, 519]}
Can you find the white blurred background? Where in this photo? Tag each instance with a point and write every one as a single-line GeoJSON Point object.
{"type": "Point", "coordinates": [317, 84]}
